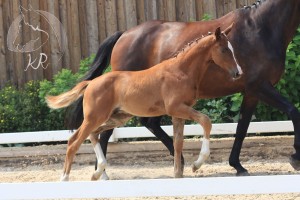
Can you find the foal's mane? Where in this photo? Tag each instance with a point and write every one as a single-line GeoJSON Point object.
{"type": "Point", "coordinates": [190, 45]}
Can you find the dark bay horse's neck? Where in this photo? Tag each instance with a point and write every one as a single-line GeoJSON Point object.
{"type": "Point", "coordinates": [281, 17]}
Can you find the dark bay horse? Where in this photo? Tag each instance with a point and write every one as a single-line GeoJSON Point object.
{"type": "Point", "coordinates": [260, 36]}
{"type": "Point", "coordinates": [156, 91]}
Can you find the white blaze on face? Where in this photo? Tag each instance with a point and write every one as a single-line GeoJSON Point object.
{"type": "Point", "coordinates": [238, 66]}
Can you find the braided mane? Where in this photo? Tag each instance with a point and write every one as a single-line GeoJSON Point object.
{"type": "Point", "coordinates": [255, 5]}
{"type": "Point", "coordinates": [189, 45]}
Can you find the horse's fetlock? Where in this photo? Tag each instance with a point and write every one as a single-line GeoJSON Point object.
{"type": "Point", "coordinates": [232, 163]}
{"type": "Point", "coordinates": [205, 155]}
{"type": "Point", "coordinates": [297, 148]}
{"type": "Point", "coordinates": [102, 165]}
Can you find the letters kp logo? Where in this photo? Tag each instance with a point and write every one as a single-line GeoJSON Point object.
{"type": "Point", "coordinates": [16, 44]}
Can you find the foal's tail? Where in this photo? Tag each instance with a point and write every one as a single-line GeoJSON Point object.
{"type": "Point", "coordinates": [67, 98]}
{"type": "Point", "coordinates": [74, 115]}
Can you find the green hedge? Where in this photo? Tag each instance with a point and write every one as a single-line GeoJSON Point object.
{"type": "Point", "coordinates": [26, 110]}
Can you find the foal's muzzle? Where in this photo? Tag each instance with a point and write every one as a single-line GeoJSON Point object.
{"type": "Point", "coordinates": [235, 74]}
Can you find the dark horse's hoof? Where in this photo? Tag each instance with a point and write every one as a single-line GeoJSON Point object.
{"type": "Point", "coordinates": [243, 173]}
{"type": "Point", "coordinates": [295, 163]}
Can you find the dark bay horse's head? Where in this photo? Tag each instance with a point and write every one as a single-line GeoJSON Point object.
{"type": "Point", "coordinates": [223, 54]}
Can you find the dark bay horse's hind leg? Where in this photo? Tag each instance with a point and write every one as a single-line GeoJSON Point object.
{"type": "Point", "coordinates": [271, 96]}
{"type": "Point", "coordinates": [247, 108]}
{"type": "Point", "coordinates": [153, 125]}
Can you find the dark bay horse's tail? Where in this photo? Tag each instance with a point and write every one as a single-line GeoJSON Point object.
{"type": "Point", "coordinates": [74, 115]}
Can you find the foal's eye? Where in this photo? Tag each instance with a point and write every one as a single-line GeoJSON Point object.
{"type": "Point", "coordinates": [225, 49]}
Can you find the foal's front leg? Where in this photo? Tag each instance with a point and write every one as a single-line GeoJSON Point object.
{"type": "Point", "coordinates": [178, 126]}
{"type": "Point", "coordinates": [185, 112]}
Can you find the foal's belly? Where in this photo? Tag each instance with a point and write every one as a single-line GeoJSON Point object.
{"type": "Point", "coordinates": [142, 110]}
{"type": "Point", "coordinates": [143, 105]}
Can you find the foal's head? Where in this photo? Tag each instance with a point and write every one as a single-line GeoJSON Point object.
{"type": "Point", "coordinates": [223, 54]}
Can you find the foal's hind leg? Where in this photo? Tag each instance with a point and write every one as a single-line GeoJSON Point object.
{"type": "Point", "coordinates": [73, 145]}
{"type": "Point", "coordinates": [88, 126]}
{"type": "Point", "coordinates": [117, 119]}
{"type": "Point", "coordinates": [68, 159]}
{"type": "Point", "coordinates": [101, 161]}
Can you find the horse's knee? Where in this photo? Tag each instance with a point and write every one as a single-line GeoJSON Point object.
{"type": "Point", "coordinates": [294, 114]}
{"type": "Point", "coordinates": [72, 149]}
{"type": "Point", "coordinates": [205, 122]}
{"type": "Point", "coordinates": [73, 137]}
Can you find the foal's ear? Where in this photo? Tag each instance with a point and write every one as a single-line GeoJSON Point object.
{"type": "Point", "coordinates": [218, 33]}
{"type": "Point", "coordinates": [228, 29]}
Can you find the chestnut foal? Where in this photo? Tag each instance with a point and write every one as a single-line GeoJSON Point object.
{"type": "Point", "coordinates": [119, 95]}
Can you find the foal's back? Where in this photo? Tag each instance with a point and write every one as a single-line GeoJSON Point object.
{"type": "Point", "coordinates": [149, 92]}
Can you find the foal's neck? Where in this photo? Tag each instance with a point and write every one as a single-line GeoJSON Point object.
{"type": "Point", "coordinates": [194, 60]}
{"type": "Point", "coordinates": [199, 47]}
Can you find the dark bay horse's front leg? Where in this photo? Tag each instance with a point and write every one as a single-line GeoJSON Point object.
{"type": "Point", "coordinates": [247, 108]}
{"type": "Point", "coordinates": [153, 125]}
{"type": "Point", "coordinates": [271, 96]}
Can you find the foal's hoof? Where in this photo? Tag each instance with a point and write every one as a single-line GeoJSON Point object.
{"type": "Point", "coordinates": [95, 176]}
{"type": "Point", "coordinates": [295, 163]}
{"type": "Point", "coordinates": [195, 167]}
{"type": "Point", "coordinates": [178, 175]}
{"type": "Point", "coordinates": [243, 173]}
{"type": "Point", "coordinates": [64, 178]}
{"type": "Point", "coordinates": [104, 177]}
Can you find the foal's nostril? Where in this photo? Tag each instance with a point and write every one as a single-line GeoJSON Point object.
{"type": "Point", "coordinates": [237, 74]}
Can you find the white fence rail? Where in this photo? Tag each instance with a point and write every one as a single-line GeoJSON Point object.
{"type": "Point", "coordinates": [140, 132]}
{"type": "Point", "coordinates": [153, 187]}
